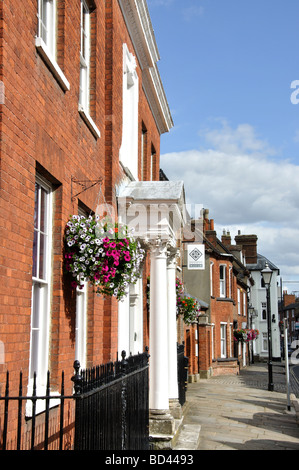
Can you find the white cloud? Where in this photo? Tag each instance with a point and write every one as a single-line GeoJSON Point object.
{"type": "Point", "coordinates": [243, 139]}
{"type": "Point", "coordinates": [160, 3]}
{"type": "Point", "coordinates": [244, 189]}
{"type": "Point", "coordinates": [193, 11]}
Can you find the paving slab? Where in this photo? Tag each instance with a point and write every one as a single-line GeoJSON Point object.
{"type": "Point", "coordinates": [239, 413]}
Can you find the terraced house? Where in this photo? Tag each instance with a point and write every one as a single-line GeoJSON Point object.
{"type": "Point", "coordinates": [222, 289]}
{"type": "Point", "coordinates": [82, 112]}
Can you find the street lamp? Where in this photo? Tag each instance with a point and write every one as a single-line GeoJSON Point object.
{"type": "Point", "coordinates": [267, 275]}
{"type": "Point", "coordinates": [252, 314]}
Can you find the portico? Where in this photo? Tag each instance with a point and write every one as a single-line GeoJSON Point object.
{"type": "Point", "coordinates": [156, 212]}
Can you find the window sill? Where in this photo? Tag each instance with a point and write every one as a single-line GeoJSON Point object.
{"type": "Point", "coordinates": [89, 122]}
{"type": "Point", "coordinates": [51, 63]}
{"type": "Point", "coordinates": [224, 299]}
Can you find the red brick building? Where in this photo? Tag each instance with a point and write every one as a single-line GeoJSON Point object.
{"type": "Point", "coordinates": [222, 290]}
{"type": "Point", "coordinates": [82, 113]}
{"type": "Point", "coordinates": [289, 309]}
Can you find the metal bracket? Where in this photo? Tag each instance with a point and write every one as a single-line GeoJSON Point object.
{"type": "Point", "coordinates": [85, 185]}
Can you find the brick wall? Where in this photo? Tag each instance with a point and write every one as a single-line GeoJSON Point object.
{"type": "Point", "coordinates": [42, 131]}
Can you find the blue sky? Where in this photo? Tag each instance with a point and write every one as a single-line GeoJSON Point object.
{"type": "Point", "coordinates": [227, 67]}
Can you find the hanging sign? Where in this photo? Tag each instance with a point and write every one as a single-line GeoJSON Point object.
{"type": "Point", "coordinates": [196, 256]}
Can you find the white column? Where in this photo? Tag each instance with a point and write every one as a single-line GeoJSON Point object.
{"type": "Point", "coordinates": [172, 327]}
{"type": "Point", "coordinates": [124, 326]}
{"type": "Point", "coordinates": [158, 391]}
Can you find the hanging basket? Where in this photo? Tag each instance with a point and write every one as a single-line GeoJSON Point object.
{"type": "Point", "coordinates": [104, 253]}
{"type": "Point", "coordinates": [189, 308]}
{"type": "Point", "coordinates": [243, 335]}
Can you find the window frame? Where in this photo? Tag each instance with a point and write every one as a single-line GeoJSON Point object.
{"type": "Point", "coordinates": [223, 340]}
{"type": "Point", "coordinates": [81, 317]}
{"type": "Point", "coordinates": [211, 278]}
{"type": "Point", "coordinates": [264, 342]}
{"type": "Point", "coordinates": [47, 20]}
{"type": "Point", "coordinates": [222, 281]}
{"type": "Point", "coordinates": [143, 152]}
{"type": "Point", "coordinates": [263, 310]}
{"type": "Point", "coordinates": [129, 150]}
{"type": "Point", "coordinates": [153, 162]}
{"type": "Point", "coordinates": [40, 335]}
{"type": "Point", "coordinates": [85, 53]}
{"type": "Point", "coordinates": [85, 68]}
{"type": "Point", "coordinates": [48, 49]}
{"type": "Point", "coordinates": [239, 300]}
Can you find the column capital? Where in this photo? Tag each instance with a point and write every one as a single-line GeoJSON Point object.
{"type": "Point", "coordinates": [173, 255]}
{"type": "Point", "coordinates": [158, 246]}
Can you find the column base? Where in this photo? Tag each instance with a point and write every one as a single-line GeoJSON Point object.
{"type": "Point", "coordinates": [175, 408]}
{"type": "Point", "coordinates": [161, 422]}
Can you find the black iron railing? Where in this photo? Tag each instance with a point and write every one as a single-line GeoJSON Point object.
{"type": "Point", "coordinates": [182, 373]}
{"type": "Point", "coordinates": [108, 410]}
{"type": "Point", "coordinates": [47, 423]}
{"type": "Point", "coordinates": [112, 405]}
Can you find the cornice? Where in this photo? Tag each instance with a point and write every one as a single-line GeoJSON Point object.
{"type": "Point", "coordinates": [138, 22]}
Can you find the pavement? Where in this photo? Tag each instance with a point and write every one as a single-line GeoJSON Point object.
{"type": "Point", "coordinates": [239, 413]}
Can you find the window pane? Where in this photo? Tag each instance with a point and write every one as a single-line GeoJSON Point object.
{"type": "Point", "coordinates": [43, 210]}
{"type": "Point", "coordinates": [43, 20]}
{"type": "Point", "coordinates": [42, 256]}
{"type": "Point", "coordinates": [84, 57]}
{"type": "Point", "coordinates": [36, 204]}
{"type": "Point", "coordinates": [35, 332]}
{"type": "Point", "coordinates": [34, 256]}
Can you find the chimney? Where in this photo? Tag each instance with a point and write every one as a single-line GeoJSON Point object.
{"type": "Point", "coordinates": [208, 227]}
{"type": "Point", "coordinates": [288, 299]}
{"type": "Point", "coordinates": [226, 238]}
{"type": "Point", "coordinates": [249, 246]}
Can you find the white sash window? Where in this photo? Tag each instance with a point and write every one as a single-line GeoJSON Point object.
{"type": "Point", "coordinates": [85, 57]}
{"type": "Point", "coordinates": [41, 276]}
{"type": "Point", "coordinates": [47, 24]}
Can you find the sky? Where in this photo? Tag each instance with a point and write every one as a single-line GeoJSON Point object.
{"type": "Point", "coordinates": [230, 70]}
